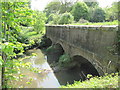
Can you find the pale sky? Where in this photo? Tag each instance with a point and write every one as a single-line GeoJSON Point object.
{"type": "Point", "coordinates": [40, 4]}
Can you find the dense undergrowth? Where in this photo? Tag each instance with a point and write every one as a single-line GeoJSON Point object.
{"type": "Point", "coordinates": [105, 82]}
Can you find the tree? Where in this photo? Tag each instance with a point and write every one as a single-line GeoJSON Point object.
{"type": "Point", "coordinates": [99, 15]}
{"type": "Point", "coordinates": [91, 4]}
{"type": "Point", "coordinates": [112, 12]}
{"type": "Point", "coordinates": [57, 7]}
{"type": "Point", "coordinates": [53, 18]}
{"type": "Point", "coordinates": [14, 15]}
{"type": "Point", "coordinates": [80, 10]}
{"type": "Point", "coordinates": [68, 1]}
{"type": "Point", "coordinates": [66, 7]}
{"type": "Point", "coordinates": [66, 18]}
{"type": "Point", "coordinates": [39, 18]}
{"type": "Point", "coordinates": [52, 7]}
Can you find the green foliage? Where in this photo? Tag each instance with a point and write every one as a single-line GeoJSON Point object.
{"type": "Point", "coordinates": [13, 66]}
{"type": "Point", "coordinates": [8, 63]}
{"type": "Point", "coordinates": [52, 7]}
{"type": "Point", "coordinates": [53, 18]}
{"type": "Point", "coordinates": [64, 60]}
{"type": "Point", "coordinates": [112, 12]}
{"type": "Point", "coordinates": [108, 81]}
{"type": "Point", "coordinates": [66, 18]}
{"type": "Point", "coordinates": [14, 14]}
{"type": "Point", "coordinates": [66, 7]}
{"type": "Point", "coordinates": [25, 34]}
{"type": "Point", "coordinates": [80, 10]}
{"type": "Point", "coordinates": [50, 18]}
{"type": "Point", "coordinates": [39, 25]}
{"type": "Point", "coordinates": [8, 49]}
{"type": "Point", "coordinates": [91, 4]}
{"type": "Point", "coordinates": [16, 17]}
{"type": "Point", "coordinates": [1, 61]}
{"type": "Point", "coordinates": [58, 6]}
{"type": "Point", "coordinates": [99, 15]}
{"type": "Point", "coordinates": [91, 13]}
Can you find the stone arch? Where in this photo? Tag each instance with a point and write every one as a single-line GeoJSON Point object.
{"type": "Point", "coordinates": [48, 42]}
{"type": "Point", "coordinates": [55, 53]}
{"type": "Point", "coordinates": [59, 50]}
{"type": "Point", "coordinates": [85, 66]}
{"type": "Point", "coordinates": [45, 42]}
{"type": "Point", "coordinates": [60, 45]}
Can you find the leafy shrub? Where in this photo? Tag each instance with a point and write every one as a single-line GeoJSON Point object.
{"type": "Point", "coordinates": [64, 60]}
{"type": "Point", "coordinates": [83, 21]}
{"type": "Point", "coordinates": [112, 12]}
{"type": "Point", "coordinates": [49, 49]}
{"type": "Point", "coordinates": [53, 19]}
{"type": "Point", "coordinates": [108, 81]}
{"type": "Point", "coordinates": [39, 22]}
{"type": "Point", "coordinates": [66, 18]}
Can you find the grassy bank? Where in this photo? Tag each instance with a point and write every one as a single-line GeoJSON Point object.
{"type": "Point", "coordinates": [99, 23]}
{"type": "Point", "coordinates": [108, 81]}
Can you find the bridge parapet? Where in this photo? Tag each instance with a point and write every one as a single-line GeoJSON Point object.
{"type": "Point", "coordinates": [96, 43]}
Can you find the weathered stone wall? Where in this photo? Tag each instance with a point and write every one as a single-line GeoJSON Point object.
{"type": "Point", "coordinates": [95, 43]}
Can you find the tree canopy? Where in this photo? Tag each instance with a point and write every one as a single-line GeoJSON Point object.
{"type": "Point", "coordinates": [66, 18]}
{"type": "Point", "coordinates": [91, 4]}
{"type": "Point", "coordinates": [99, 15]}
{"type": "Point", "coordinates": [80, 10]}
{"type": "Point", "coordinates": [112, 12]}
{"type": "Point", "coordinates": [52, 7]}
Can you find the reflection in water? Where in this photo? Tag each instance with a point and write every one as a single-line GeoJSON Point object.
{"type": "Point", "coordinates": [39, 80]}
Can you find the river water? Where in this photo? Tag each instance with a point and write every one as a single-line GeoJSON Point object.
{"type": "Point", "coordinates": [45, 79]}
{"type": "Point", "coordinates": [38, 80]}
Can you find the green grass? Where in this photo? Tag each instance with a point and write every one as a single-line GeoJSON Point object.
{"type": "Point", "coordinates": [109, 81]}
{"type": "Point", "coordinates": [99, 23]}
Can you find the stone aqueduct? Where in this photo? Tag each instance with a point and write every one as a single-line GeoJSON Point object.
{"type": "Point", "coordinates": [93, 45]}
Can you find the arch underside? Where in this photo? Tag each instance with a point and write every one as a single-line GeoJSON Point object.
{"type": "Point", "coordinates": [55, 53]}
{"type": "Point", "coordinates": [84, 66]}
